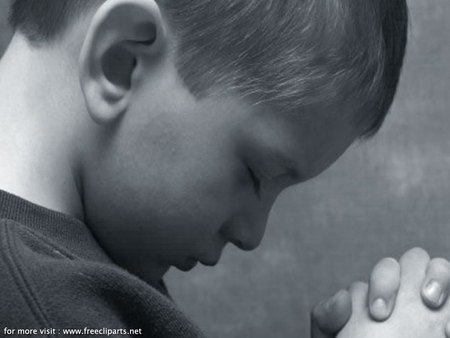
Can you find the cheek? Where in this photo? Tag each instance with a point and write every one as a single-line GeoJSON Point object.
{"type": "Point", "coordinates": [173, 185]}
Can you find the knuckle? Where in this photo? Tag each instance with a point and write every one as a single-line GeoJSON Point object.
{"type": "Point", "coordinates": [386, 265]}
{"type": "Point", "coordinates": [415, 253]}
{"type": "Point", "coordinates": [439, 266]}
{"type": "Point", "coordinates": [441, 263]}
{"type": "Point", "coordinates": [385, 277]}
{"type": "Point", "coordinates": [389, 261]}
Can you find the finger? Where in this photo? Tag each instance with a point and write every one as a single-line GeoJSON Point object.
{"type": "Point", "coordinates": [359, 293]}
{"type": "Point", "coordinates": [413, 265]}
{"type": "Point", "coordinates": [330, 316]}
{"type": "Point", "coordinates": [436, 285]}
{"type": "Point", "coordinates": [383, 288]}
{"type": "Point", "coordinates": [316, 332]}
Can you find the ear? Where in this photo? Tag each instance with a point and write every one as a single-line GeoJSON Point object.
{"type": "Point", "coordinates": [123, 35]}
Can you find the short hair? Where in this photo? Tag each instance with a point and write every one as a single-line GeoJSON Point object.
{"type": "Point", "coordinates": [289, 54]}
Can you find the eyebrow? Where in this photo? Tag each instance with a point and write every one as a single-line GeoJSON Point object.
{"type": "Point", "coordinates": [288, 165]}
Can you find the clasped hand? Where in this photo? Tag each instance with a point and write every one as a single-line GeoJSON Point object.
{"type": "Point", "coordinates": [405, 298]}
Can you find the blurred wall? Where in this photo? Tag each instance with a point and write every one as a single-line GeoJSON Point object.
{"type": "Point", "coordinates": [380, 198]}
{"type": "Point", "coordinates": [4, 31]}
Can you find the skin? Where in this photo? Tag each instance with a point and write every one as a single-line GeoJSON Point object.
{"type": "Point", "coordinates": [398, 283]}
{"type": "Point", "coordinates": [177, 176]}
{"type": "Point", "coordinates": [162, 178]}
{"type": "Point", "coordinates": [411, 318]}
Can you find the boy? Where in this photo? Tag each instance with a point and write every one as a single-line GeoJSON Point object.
{"type": "Point", "coordinates": [139, 135]}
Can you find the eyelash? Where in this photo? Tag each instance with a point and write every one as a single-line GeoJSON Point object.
{"type": "Point", "coordinates": [256, 182]}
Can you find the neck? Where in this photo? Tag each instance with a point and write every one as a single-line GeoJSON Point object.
{"type": "Point", "coordinates": [38, 116]}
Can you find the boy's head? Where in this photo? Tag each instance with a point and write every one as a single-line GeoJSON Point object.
{"type": "Point", "coordinates": [206, 110]}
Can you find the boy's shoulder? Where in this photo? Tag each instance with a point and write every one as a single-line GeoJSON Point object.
{"type": "Point", "coordinates": [54, 275]}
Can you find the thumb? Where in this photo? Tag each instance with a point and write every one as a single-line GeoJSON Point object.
{"type": "Point", "coordinates": [329, 317]}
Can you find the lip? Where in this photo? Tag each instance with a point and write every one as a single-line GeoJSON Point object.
{"type": "Point", "coordinates": [188, 264]}
{"type": "Point", "coordinates": [213, 258]}
{"type": "Point", "coordinates": [212, 262]}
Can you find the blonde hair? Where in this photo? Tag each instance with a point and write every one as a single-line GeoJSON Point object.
{"type": "Point", "coordinates": [289, 54]}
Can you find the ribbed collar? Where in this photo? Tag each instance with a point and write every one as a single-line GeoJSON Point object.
{"type": "Point", "coordinates": [61, 229]}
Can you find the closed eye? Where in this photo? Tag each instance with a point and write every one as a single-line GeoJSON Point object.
{"type": "Point", "coordinates": [255, 181]}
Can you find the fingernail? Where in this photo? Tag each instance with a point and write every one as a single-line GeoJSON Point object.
{"type": "Point", "coordinates": [434, 293]}
{"type": "Point", "coordinates": [379, 309]}
{"type": "Point", "coordinates": [338, 295]}
{"type": "Point", "coordinates": [329, 304]}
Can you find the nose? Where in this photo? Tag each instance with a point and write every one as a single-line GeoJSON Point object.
{"type": "Point", "coordinates": [244, 232]}
{"type": "Point", "coordinates": [246, 245]}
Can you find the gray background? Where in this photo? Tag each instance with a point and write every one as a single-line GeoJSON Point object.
{"type": "Point", "coordinates": [380, 198]}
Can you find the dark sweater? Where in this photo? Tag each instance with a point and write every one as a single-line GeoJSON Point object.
{"type": "Point", "coordinates": [54, 275]}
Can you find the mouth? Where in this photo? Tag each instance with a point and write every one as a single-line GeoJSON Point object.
{"type": "Point", "coordinates": [213, 258]}
{"type": "Point", "coordinates": [188, 264]}
{"type": "Point", "coordinates": [212, 262]}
